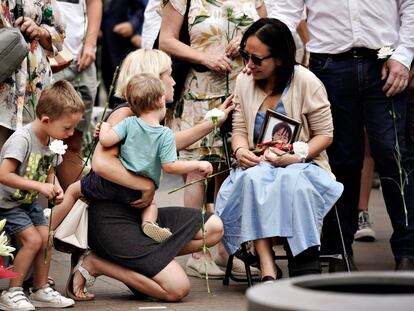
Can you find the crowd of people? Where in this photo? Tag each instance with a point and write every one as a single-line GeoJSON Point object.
{"type": "Point", "coordinates": [312, 61]}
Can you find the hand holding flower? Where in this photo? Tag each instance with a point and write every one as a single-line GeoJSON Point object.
{"type": "Point", "coordinates": [205, 167]}
{"type": "Point", "coordinates": [232, 49]}
{"type": "Point", "coordinates": [246, 158]}
{"type": "Point", "coordinates": [226, 107]}
{"type": "Point", "coordinates": [279, 157]}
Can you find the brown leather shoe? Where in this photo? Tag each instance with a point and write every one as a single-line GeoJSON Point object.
{"type": "Point", "coordinates": [404, 264]}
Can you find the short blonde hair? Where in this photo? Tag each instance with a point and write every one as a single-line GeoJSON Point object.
{"type": "Point", "coordinates": [144, 92]}
{"type": "Point", "coordinates": [141, 61]}
{"type": "Point", "coordinates": [58, 100]}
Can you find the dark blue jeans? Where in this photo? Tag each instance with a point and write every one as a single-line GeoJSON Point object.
{"type": "Point", "coordinates": [354, 89]}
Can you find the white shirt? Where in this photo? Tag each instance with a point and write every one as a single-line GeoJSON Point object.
{"type": "Point", "coordinates": [336, 26]}
{"type": "Point", "coordinates": [152, 24]}
{"type": "Point", "coordinates": [74, 15]}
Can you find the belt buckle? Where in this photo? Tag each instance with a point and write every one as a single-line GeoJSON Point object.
{"type": "Point", "coordinates": [356, 53]}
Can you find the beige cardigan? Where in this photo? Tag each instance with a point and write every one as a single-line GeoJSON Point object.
{"type": "Point", "coordinates": [305, 101]}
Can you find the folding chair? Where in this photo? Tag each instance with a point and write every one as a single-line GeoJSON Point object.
{"type": "Point", "coordinates": [330, 260]}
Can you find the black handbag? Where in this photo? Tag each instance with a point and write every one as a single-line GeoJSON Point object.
{"type": "Point", "coordinates": [181, 67]}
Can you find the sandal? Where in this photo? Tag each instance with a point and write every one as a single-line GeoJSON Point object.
{"type": "Point", "coordinates": [89, 279]}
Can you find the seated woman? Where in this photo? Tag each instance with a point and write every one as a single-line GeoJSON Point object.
{"type": "Point", "coordinates": [279, 194]}
{"type": "Point", "coordinates": [120, 248]}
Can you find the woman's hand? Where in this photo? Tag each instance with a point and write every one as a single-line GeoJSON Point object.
{"type": "Point", "coordinates": [29, 28]}
{"type": "Point", "coordinates": [279, 158]}
{"type": "Point", "coordinates": [145, 200]}
{"type": "Point", "coordinates": [217, 62]}
{"type": "Point", "coordinates": [227, 106]}
{"type": "Point", "coordinates": [232, 49]}
{"type": "Point", "coordinates": [246, 158]}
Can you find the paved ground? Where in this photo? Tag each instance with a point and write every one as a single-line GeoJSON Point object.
{"type": "Point", "coordinates": [111, 295]}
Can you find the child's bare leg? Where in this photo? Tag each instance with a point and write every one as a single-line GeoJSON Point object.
{"type": "Point", "coordinates": [150, 213]}
{"type": "Point", "coordinates": [149, 217]}
{"type": "Point", "coordinates": [41, 266]}
{"type": "Point", "coordinates": [73, 192]}
{"type": "Point", "coordinates": [31, 244]}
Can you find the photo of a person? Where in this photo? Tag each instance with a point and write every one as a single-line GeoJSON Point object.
{"type": "Point", "coordinates": [282, 132]}
{"type": "Point", "coordinates": [278, 127]}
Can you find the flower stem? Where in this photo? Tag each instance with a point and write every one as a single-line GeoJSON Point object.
{"type": "Point", "coordinates": [95, 141]}
{"type": "Point", "coordinates": [50, 232]}
{"type": "Point", "coordinates": [200, 180]}
{"type": "Point", "coordinates": [203, 233]}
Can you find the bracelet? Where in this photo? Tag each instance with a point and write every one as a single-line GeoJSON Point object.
{"type": "Point", "coordinates": [237, 149]}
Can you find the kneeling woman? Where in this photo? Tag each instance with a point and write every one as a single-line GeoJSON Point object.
{"type": "Point", "coordinates": [279, 194]}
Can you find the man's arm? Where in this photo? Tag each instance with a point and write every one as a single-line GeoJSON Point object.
{"type": "Point", "coordinates": [288, 11]}
{"type": "Point", "coordinates": [396, 69]}
{"type": "Point", "coordinates": [88, 53]}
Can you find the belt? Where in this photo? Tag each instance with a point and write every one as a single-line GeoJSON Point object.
{"type": "Point", "coordinates": [353, 53]}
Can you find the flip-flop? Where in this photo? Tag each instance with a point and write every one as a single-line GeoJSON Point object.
{"type": "Point", "coordinates": [89, 279]}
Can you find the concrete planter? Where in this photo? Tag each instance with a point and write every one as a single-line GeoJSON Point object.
{"type": "Point", "coordinates": [379, 291]}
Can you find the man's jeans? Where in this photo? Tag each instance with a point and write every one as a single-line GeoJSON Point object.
{"type": "Point", "coordinates": [354, 88]}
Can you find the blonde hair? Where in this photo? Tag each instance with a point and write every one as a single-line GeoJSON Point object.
{"type": "Point", "coordinates": [144, 92]}
{"type": "Point", "coordinates": [58, 100]}
{"type": "Point", "coordinates": [155, 62]}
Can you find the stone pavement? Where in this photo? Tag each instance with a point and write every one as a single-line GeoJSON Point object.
{"type": "Point", "coordinates": [113, 295]}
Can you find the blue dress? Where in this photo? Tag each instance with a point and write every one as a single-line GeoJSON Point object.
{"type": "Point", "coordinates": [267, 201]}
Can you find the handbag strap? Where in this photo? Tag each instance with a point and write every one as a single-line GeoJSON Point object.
{"type": "Point", "coordinates": [184, 35]}
{"type": "Point", "coordinates": [18, 9]}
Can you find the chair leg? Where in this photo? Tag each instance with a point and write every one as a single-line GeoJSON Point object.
{"type": "Point", "coordinates": [246, 266]}
{"type": "Point", "coordinates": [344, 252]}
{"type": "Point", "coordinates": [229, 267]}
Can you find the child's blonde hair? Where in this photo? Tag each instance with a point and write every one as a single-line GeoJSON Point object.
{"type": "Point", "coordinates": [59, 99]}
{"type": "Point", "coordinates": [141, 61]}
{"type": "Point", "coordinates": [144, 92]}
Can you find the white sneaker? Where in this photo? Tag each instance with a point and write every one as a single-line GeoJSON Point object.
{"type": "Point", "coordinates": [14, 299]}
{"type": "Point", "coordinates": [47, 297]}
{"type": "Point", "coordinates": [365, 232]}
{"type": "Point", "coordinates": [197, 267]}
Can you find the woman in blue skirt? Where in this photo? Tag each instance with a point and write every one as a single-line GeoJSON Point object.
{"type": "Point", "coordinates": [279, 194]}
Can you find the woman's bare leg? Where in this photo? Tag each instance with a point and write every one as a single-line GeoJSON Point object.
{"type": "Point", "coordinates": [171, 284]}
{"type": "Point", "coordinates": [214, 233]}
{"type": "Point", "coordinates": [264, 250]}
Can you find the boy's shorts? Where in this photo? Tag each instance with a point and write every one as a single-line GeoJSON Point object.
{"type": "Point", "coordinates": [94, 187]}
{"type": "Point", "coordinates": [22, 217]}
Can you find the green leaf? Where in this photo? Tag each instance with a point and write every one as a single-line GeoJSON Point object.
{"type": "Point", "coordinates": [199, 19]}
{"type": "Point", "coordinates": [214, 2]}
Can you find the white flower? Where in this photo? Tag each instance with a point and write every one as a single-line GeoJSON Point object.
{"type": "Point", "coordinates": [58, 147]}
{"type": "Point", "coordinates": [385, 52]}
{"type": "Point", "coordinates": [5, 250]}
{"type": "Point", "coordinates": [214, 115]}
{"type": "Point", "coordinates": [301, 149]}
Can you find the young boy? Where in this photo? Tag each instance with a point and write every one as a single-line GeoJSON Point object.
{"type": "Point", "coordinates": [146, 147]}
{"type": "Point", "coordinates": [27, 169]}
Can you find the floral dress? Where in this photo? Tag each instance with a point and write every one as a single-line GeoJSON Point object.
{"type": "Point", "coordinates": [19, 93]}
{"type": "Point", "coordinates": [212, 24]}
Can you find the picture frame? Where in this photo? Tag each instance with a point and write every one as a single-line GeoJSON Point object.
{"type": "Point", "coordinates": [284, 127]}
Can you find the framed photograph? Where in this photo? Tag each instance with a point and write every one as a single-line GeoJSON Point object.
{"type": "Point", "coordinates": [277, 126]}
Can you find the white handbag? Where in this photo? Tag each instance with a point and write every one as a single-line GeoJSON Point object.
{"type": "Point", "coordinates": [72, 233]}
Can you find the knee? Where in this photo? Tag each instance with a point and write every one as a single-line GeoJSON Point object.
{"type": "Point", "coordinates": [179, 291]}
{"type": "Point", "coordinates": [33, 242]}
{"type": "Point", "coordinates": [215, 230]}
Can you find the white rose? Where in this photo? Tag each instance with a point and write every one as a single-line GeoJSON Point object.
{"type": "Point", "coordinates": [214, 114]}
{"type": "Point", "coordinates": [58, 147]}
{"type": "Point", "coordinates": [385, 52]}
{"type": "Point", "coordinates": [301, 149]}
